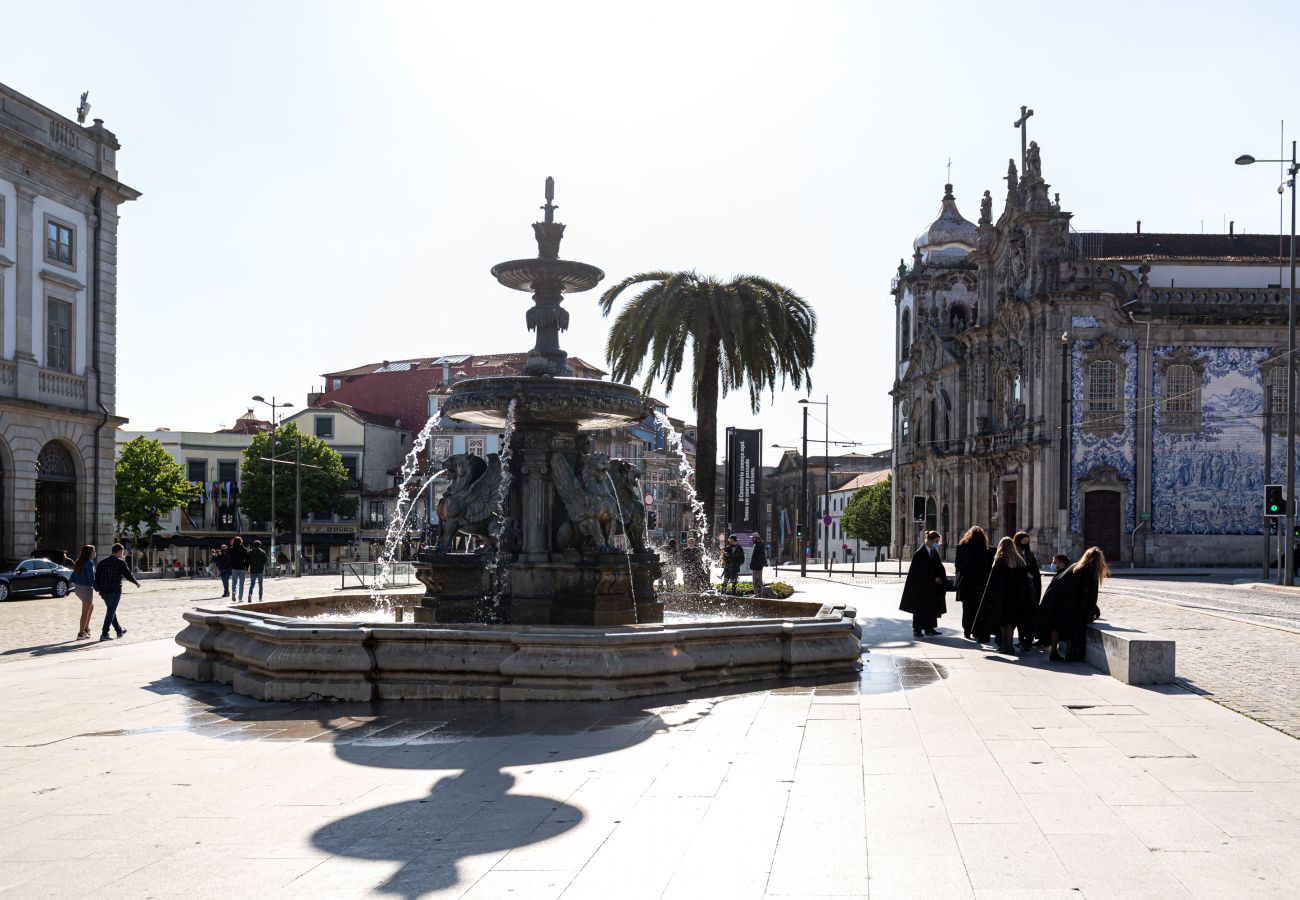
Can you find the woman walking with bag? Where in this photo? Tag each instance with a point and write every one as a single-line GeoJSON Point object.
{"type": "Point", "coordinates": [83, 585]}
{"type": "Point", "coordinates": [974, 559]}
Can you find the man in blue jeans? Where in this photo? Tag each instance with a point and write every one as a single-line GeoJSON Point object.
{"type": "Point", "coordinates": [256, 569]}
{"type": "Point", "coordinates": [108, 581]}
{"type": "Point", "coordinates": [238, 561]}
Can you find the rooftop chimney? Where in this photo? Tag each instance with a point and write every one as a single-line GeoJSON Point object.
{"type": "Point", "coordinates": [1139, 226]}
{"type": "Point", "coordinates": [1232, 228]}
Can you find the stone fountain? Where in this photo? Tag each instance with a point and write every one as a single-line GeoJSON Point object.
{"type": "Point", "coordinates": [549, 515]}
{"type": "Point", "coordinates": [527, 597]}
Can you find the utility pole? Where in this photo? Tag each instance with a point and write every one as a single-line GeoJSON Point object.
{"type": "Point", "coordinates": [803, 502]}
{"type": "Point", "coordinates": [297, 508]}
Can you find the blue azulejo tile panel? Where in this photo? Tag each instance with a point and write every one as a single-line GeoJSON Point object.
{"type": "Point", "coordinates": [1089, 451]}
{"type": "Point", "coordinates": [1213, 482]}
{"type": "Point", "coordinates": [1084, 322]}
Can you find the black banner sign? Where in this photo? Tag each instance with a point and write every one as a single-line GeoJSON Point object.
{"type": "Point", "coordinates": [745, 480]}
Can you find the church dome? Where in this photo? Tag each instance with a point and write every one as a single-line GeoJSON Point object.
{"type": "Point", "coordinates": [949, 232]}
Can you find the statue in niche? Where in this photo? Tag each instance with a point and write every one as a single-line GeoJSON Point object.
{"type": "Point", "coordinates": [470, 500]}
{"type": "Point", "coordinates": [588, 497]}
{"type": "Point", "coordinates": [627, 485]}
{"type": "Point", "coordinates": [986, 209]}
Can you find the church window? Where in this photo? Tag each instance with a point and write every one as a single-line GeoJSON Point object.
{"type": "Point", "coordinates": [1276, 375]}
{"type": "Point", "coordinates": [1102, 382]}
{"type": "Point", "coordinates": [1182, 401]}
{"type": "Point", "coordinates": [934, 421]}
{"type": "Point", "coordinates": [905, 336]}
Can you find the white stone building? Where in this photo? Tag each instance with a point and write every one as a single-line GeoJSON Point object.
{"type": "Point", "coordinates": [59, 200]}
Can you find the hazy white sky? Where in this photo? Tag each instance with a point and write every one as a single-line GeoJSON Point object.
{"type": "Point", "coordinates": [327, 184]}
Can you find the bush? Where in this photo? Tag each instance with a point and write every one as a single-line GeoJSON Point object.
{"type": "Point", "coordinates": [778, 590]}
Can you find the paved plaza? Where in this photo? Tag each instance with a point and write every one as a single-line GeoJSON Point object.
{"type": "Point", "coordinates": [943, 771]}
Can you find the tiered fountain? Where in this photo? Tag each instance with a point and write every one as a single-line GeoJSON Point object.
{"type": "Point", "coordinates": [539, 603]}
{"type": "Point", "coordinates": [554, 536]}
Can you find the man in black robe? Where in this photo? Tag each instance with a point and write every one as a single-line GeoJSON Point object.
{"type": "Point", "coordinates": [927, 580]}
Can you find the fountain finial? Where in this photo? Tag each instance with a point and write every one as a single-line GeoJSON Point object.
{"type": "Point", "coordinates": [549, 232]}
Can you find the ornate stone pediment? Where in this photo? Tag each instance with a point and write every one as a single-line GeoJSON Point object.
{"type": "Point", "coordinates": [1103, 476]}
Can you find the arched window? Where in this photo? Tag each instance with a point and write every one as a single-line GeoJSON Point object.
{"type": "Point", "coordinates": [933, 436]}
{"type": "Point", "coordinates": [1182, 411]}
{"type": "Point", "coordinates": [917, 422]}
{"type": "Point", "coordinates": [905, 336]}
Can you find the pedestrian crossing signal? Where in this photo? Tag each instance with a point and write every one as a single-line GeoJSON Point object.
{"type": "Point", "coordinates": [1274, 500]}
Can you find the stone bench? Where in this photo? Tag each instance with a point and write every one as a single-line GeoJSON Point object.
{"type": "Point", "coordinates": [1132, 657]}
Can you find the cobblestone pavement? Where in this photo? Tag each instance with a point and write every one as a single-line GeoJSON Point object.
{"type": "Point", "coordinates": [38, 626]}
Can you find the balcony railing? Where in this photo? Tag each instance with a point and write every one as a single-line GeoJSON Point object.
{"type": "Point", "coordinates": [62, 385]}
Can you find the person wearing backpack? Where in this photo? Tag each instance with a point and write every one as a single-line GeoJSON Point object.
{"type": "Point", "coordinates": [109, 574]}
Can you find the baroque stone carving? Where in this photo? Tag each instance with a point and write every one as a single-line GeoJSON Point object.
{"type": "Point", "coordinates": [468, 503]}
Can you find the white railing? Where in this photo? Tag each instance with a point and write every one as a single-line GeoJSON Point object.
{"type": "Point", "coordinates": [58, 384]}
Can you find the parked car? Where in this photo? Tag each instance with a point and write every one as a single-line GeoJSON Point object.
{"type": "Point", "coordinates": [36, 576]}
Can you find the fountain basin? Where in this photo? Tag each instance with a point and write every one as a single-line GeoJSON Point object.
{"type": "Point", "coordinates": [564, 275]}
{"type": "Point", "coordinates": [585, 403]}
{"type": "Point", "coordinates": [268, 652]}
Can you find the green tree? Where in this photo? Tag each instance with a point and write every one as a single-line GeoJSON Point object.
{"type": "Point", "coordinates": [150, 484]}
{"type": "Point", "coordinates": [324, 479]}
{"type": "Point", "coordinates": [866, 515]}
{"type": "Point", "coordinates": [745, 333]}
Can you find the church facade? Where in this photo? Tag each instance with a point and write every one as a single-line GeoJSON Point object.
{"type": "Point", "coordinates": [1102, 389]}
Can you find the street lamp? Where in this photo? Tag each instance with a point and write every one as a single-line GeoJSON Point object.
{"type": "Point", "coordinates": [826, 528]}
{"type": "Point", "coordinates": [275, 560]}
{"type": "Point", "coordinates": [1246, 160]}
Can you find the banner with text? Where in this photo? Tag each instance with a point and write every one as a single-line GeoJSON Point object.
{"type": "Point", "coordinates": [745, 480]}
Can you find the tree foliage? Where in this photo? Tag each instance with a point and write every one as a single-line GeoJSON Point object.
{"type": "Point", "coordinates": [866, 515]}
{"type": "Point", "coordinates": [150, 484]}
{"type": "Point", "coordinates": [323, 487]}
{"type": "Point", "coordinates": [745, 333]}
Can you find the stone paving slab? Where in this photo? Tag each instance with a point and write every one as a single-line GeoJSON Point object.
{"type": "Point", "coordinates": [944, 771]}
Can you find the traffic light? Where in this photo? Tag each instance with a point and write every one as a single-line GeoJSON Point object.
{"type": "Point", "coordinates": [798, 530]}
{"type": "Point", "coordinates": [652, 518]}
{"type": "Point", "coordinates": [918, 508]}
{"type": "Point", "coordinates": [1274, 500]}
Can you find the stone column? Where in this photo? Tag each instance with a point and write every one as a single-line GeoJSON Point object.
{"type": "Point", "coordinates": [536, 503]}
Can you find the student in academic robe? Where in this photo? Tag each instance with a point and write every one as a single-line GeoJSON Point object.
{"type": "Point", "coordinates": [1071, 604]}
{"type": "Point", "coordinates": [1005, 598]}
{"type": "Point", "coordinates": [974, 559]}
{"type": "Point", "coordinates": [927, 580]}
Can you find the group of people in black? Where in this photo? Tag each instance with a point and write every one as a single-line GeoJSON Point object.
{"type": "Point", "coordinates": [1001, 593]}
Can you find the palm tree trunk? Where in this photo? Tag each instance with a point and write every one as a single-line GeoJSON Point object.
{"type": "Point", "coordinates": [706, 444]}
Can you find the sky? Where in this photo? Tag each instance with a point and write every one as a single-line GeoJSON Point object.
{"type": "Point", "coordinates": [328, 184]}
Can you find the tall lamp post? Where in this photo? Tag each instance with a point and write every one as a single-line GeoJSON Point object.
{"type": "Point", "coordinates": [275, 560]}
{"type": "Point", "coordinates": [1246, 160]}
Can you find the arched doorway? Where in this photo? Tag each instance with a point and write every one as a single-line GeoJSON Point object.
{"type": "Point", "coordinates": [56, 499]}
{"type": "Point", "coordinates": [4, 537]}
{"type": "Point", "coordinates": [1101, 522]}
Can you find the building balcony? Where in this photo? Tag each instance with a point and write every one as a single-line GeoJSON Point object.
{"type": "Point", "coordinates": [60, 387]}
{"type": "Point", "coordinates": [1007, 440]}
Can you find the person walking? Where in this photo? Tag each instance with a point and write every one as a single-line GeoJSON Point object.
{"type": "Point", "coordinates": [927, 581]}
{"type": "Point", "coordinates": [974, 560]}
{"type": "Point", "coordinates": [695, 577]}
{"type": "Point", "coordinates": [758, 562]}
{"type": "Point", "coordinates": [1005, 597]}
{"type": "Point", "coordinates": [109, 574]}
{"type": "Point", "coordinates": [1029, 613]}
{"type": "Point", "coordinates": [222, 561]}
{"type": "Point", "coordinates": [256, 570]}
{"type": "Point", "coordinates": [239, 562]}
{"type": "Point", "coordinates": [83, 585]}
{"type": "Point", "coordinates": [1070, 604]}
{"type": "Point", "coordinates": [733, 557]}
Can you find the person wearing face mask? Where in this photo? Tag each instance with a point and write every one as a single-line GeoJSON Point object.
{"type": "Point", "coordinates": [927, 581]}
{"type": "Point", "coordinates": [1029, 610]}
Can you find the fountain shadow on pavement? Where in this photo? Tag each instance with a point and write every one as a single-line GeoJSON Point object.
{"type": "Point", "coordinates": [474, 747]}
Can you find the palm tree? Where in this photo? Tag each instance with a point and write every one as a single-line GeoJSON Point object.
{"type": "Point", "coordinates": [747, 332]}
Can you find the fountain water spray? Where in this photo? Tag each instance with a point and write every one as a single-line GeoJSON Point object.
{"type": "Point", "coordinates": [405, 503]}
{"type": "Point", "coordinates": [497, 572]}
{"type": "Point", "coordinates": [631, 576]}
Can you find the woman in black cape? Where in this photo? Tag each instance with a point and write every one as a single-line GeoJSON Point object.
{"type": "Point", "coordinates": [974, 560]}
{"type": "Point", "coordinates": [1071, 603]}
{"type": "Point", "coordinates": [1029, 613]}
{"type": "Point", "coordinates": [1005, 597]}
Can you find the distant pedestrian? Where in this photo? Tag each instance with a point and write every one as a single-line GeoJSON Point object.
{"type": "Point", "coordinates": [733, 557]}
{"type": "Point", "coordinates": [974, 561]}
{"type": "Point", "coordinates": [1005, 597]}
{"type": "Point", "coordinates": [1029, 612]}
{"type": "Point", "coordinates": [239, 562]}
{"type": "Point", "coordinates": [83, 585]}
{"type": "Point", "coordinates": [1070, 604]}
{"type": "Point", "coordinates": [222, 562]}
{"type": "Point", "coordinates": [109, 574]}
{"type": "Point", "coordinates": [256, 570]}
{"type": "Point", "coordinates": [923, 592]}
{"type": "Point", "coordinates": [668, 565]}
{"type": "Point", "coordinates": [758, 562]}
{"type": "Point", "coordinates": [695, 575]}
